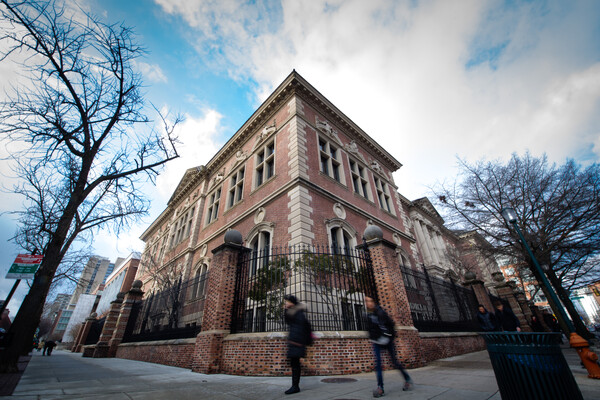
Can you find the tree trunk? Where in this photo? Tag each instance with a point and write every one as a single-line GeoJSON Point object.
{"type": "Point", "coordinates": [23, 328]}
{"type": "Point", "coordinates": [563, 295]}
{"type": "Point", "coordinates": [28, 317]}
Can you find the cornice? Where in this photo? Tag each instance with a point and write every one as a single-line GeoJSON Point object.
{"type": "Point", "coordinates": [294, 84]}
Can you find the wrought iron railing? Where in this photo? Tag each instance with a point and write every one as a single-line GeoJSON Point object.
{"type": "Point", "coordinates": [164, 314]}
{"type": "Point", "coordinates": [438, 305]}
{"type": "Point", "coordinates": [330, 282]}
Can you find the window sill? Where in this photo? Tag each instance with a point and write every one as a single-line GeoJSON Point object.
{"type": "Point", "coordinates": [333, 180]}
{"type": "Point", "coordinates": [262, 184]}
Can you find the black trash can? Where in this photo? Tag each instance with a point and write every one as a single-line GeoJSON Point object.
{"type": "Point", "coordinates": [530, 366]}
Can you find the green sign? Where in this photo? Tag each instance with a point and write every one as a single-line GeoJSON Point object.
{"type": "Point", "coordinates": [24, 267]}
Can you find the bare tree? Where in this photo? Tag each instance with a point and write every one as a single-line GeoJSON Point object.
{"type": "Point", "coordinates": [81, 140]}
{"type": "Point", "coordinates": [558, 209]}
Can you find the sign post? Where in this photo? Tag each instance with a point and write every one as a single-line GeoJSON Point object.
{"type": "Point", "coordinates": [24, 267]}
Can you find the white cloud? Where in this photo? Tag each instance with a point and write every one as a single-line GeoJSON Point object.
{"type": "Point", "coordinates": [399, 70]}
{"type": "Point", "coordinates": [152, 72]}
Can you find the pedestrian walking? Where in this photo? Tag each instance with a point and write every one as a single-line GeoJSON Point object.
{"type": "Point", "coordinates": [536, 325]}
{"type": "Point", "coordinates": [487, 320]}
{"type": "Point", "coordinates": [382, 334]}
{"type": "Point", "coordinates": [299, 337]}
{"type": "Point", "coordinates": [507, 320]}
{"type": "Point", "coordinates": [48, 346]}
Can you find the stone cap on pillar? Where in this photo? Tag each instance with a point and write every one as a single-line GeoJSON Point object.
{"type": "Point", "coordinates": [232, 239]}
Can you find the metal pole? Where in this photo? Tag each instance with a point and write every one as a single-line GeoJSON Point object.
{"type": "Point", "coordinates": [545, 281]}
{"type": "Point", "coordinates": [10, 295]}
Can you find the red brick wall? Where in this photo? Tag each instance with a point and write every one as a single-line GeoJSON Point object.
{"type": "Point", "coordinates": [265, 355]}
{"type": "Point", "coordinates": [176, 353]}
{"type": "Point", "coordinates": [436, 346]}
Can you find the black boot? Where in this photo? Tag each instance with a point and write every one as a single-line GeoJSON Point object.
{"type": "Point", "coordinates": [292, 390]}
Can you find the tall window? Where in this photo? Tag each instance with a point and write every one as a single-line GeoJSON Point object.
{"type": "Point", "coordinates": [213, 206]}
{"type": "Point", "coordinates": [236, 188]}
{"type": "Point", "coordinates": [341, 241]}
{"type": "Point", "coordinates": [359, 180]}
{"type": "Point", "coordinates": [383, 195]}
{"type": "Point", "coordinates": [183, 227]}
{"type": "Point", "coordinates": [330, 160]}
{"type": "Point", "coordinates": [199, 288]}
{"type": "Point", "coordinates": [265, 163]}
{"type": "Point", "coordinates": [261, 247]}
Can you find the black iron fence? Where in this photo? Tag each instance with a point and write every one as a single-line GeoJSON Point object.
{"type": "Point", "coordinates": [438, 305]}
{"type": "Point", "coordinates": [171, 313]}
{"type": "Point", "coordinates": [331, 282]}
{"type": "Point", "coordinates": [95, 331]}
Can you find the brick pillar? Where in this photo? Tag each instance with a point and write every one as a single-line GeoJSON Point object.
{"type": "Point", "coordinates": [76, 338]}
{"type": "Point", "coordinates": [218, 306]}
{"type": "Point", "coordinates": [527, 313]}
{"type": "Point", "coordinates": [506, 291]}
{"type": "Point", "coordinates": [481, 293]}
{"type": "Point", "coordinates": [133, 296]}
{"type": "Point", "coordinates": [101, 350]}
{"type": "Point", "coordinates": [84, 331]}
{"type": "Point", "coordinates": [392, 295]}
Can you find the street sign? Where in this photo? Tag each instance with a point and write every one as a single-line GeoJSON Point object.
{"type": "Point", "coordinates": [25, 266]}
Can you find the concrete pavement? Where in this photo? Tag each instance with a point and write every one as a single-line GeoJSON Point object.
{"type": "Point", "coordinates": [67, 375]}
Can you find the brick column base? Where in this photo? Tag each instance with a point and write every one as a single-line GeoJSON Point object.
{"type": "Point", "coordinates": [408, 347]}
{"type": "Point", "coordinates": [208, 352]}
{"type": "Point", "coordinates": [82, 337]}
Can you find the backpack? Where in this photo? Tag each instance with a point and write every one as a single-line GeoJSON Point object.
{"type": "Point", "coordinates": [308, 332]}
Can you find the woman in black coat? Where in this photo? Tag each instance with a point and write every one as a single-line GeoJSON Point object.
{"type": "Point", "coordinates": [297, 338]}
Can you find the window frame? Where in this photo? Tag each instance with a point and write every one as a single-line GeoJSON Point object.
{"type": "Point", "coordinates": [361, 175]}
{"type": "Point", "coordinates": [264, 168]}
{"type": "Point", "coordinates": [235, 194]}
{"type": "Point", "coordinates": [212, 205]}
{"type": "Point", "coordinates": [330, 161]}
{"type": "Point", "coordinates": [382, 189]}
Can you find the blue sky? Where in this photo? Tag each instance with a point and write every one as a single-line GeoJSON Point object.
{"type": "Point", "coordinates": [429, 80]}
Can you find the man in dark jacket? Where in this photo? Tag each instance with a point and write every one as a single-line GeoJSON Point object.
{"type": "Point", "coordinates": [297, 338]}
{"type": "Point", "coordinates": [487, 320]}
{"type": "Point", "coordinates": [382, 333]}
{"type": "Point", "coordinates": [507, 320]}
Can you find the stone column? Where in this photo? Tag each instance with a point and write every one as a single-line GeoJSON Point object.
{"type": "Point", "coordinates": [84, 331]}
{"type": "Point", "coordinates": [423, 243]}
{"type": "Point", "coordinates": [481, 293]}
{"type": "Point", "coordinates": [133, 296]}
{"type": "Point", "coordinates": [101, 350]}
{"type": "Point", "coordinates": [218, 306]}
{"type": "Point", "coordinates": [392, 295]}
{"type": "Point", "coordinates": [506, 291]}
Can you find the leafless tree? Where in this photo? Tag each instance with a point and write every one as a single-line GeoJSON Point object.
{"type": "Point", "coordinates": [81, 140]}
{"type": "Point", "coordinates": [558, 210]}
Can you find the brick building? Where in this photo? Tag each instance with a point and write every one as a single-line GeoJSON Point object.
{"type": "Point", "coordinates": [299, 185]}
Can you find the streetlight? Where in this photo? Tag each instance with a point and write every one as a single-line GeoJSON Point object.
{"type": "Point", "coordinates": [510, 216]}
{"type": "Point", "coordinates": [588, 358]}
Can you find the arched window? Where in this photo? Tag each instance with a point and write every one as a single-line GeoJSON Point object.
{"type": "Point", "coordinates": [342, 236]}
{"type": "Point", "coordinates": [199, 283]}
{"type": "Point", "coordinates": [260, 242]}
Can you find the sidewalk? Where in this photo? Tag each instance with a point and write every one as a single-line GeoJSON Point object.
{"type": "Point", "coordinates": [67, 375]}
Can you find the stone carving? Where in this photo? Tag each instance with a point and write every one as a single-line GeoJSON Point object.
{"type": "Point", "coordinates": [265, 133]}
{"type": "Point", "coordinates": [203, 250]}
{"type": "Point", "coordinates": [259, 215]}
{"type": "Point", "coordinates": [338, 209]}
{"type": "Point", "coordinates": [217, 178]}
{"type": "Point", "coordinates": [377, 168]}
{"type": "Point", "coordinates": [326, 128]}
{"type": "Point", "coordinates": [240, 157]}
{"type": "Point", "coordinates": [352, 148]}
{"type": "Point", "coordinates": [397, 239]}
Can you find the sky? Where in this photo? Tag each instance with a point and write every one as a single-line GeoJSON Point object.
{"type": "Point", "coordinates": [429, 80]}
